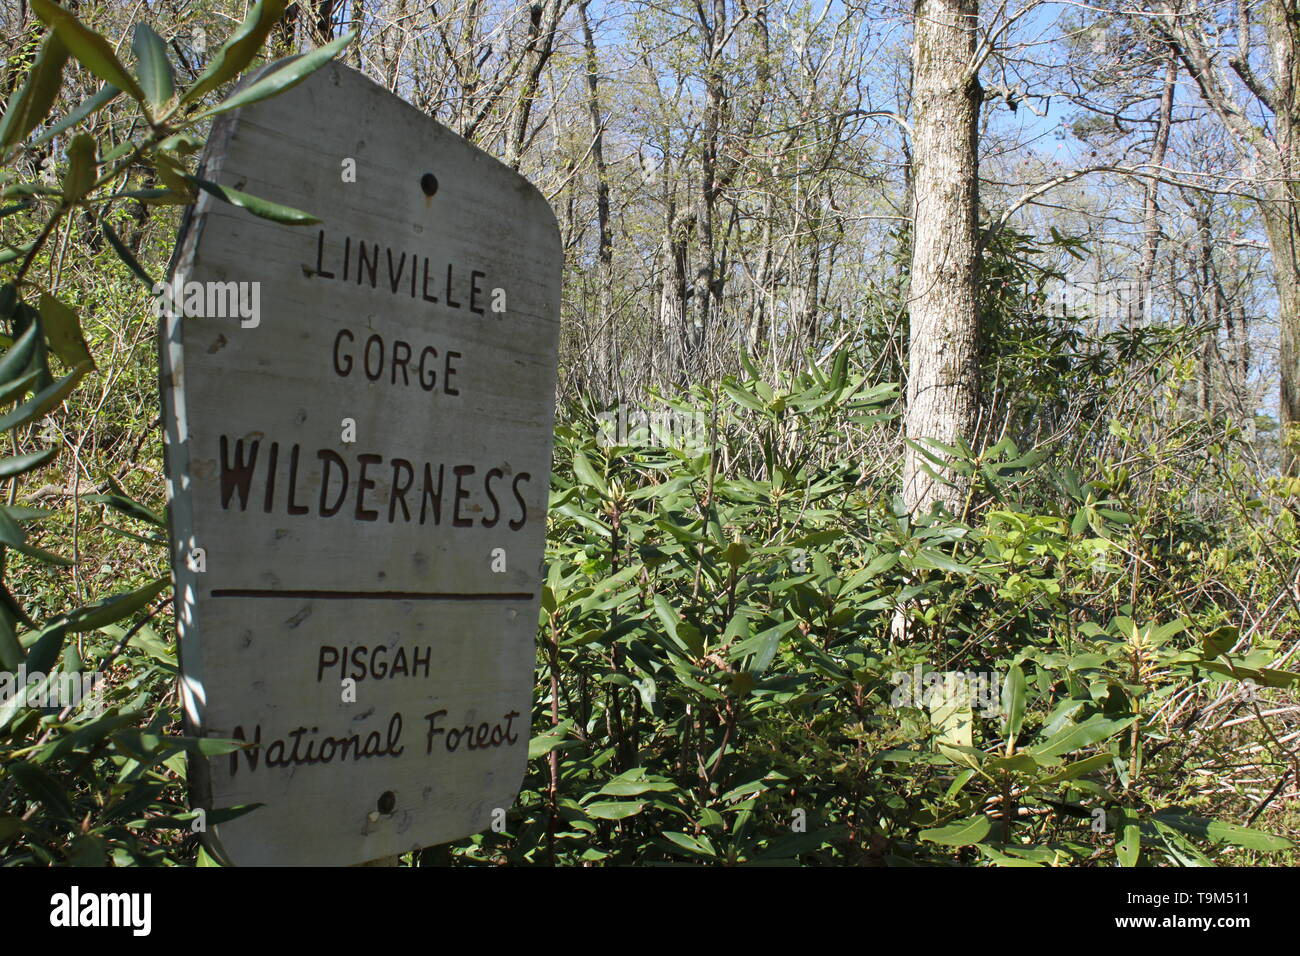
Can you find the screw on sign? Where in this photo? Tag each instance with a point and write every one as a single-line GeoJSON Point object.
{"type": "Point", "coordinates": [423, 308]}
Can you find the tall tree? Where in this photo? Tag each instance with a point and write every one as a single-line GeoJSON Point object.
{"type": "Point", "coordinates": [1261, 79]}
{"type": "Point", "coordinates": [943, 355]}
{"type": "Point", "coordinates": [606, 361]}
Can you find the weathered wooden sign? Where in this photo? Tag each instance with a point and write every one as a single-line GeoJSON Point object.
{"type": "Point", "coordinates": [359, 420]}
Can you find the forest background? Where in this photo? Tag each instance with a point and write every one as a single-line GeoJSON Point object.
{"type": "Point", "coordinates": [925, 475]}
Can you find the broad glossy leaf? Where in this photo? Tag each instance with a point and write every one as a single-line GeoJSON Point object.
{"type": "Point", "coordinates": [43, 788]}
{"type": "Point", "coordinates": [156, 78]}
{"type": "Point", "coordinates": [1220, 641]}
{"type": "Point", "coordinates": [1128, 841]}
{"type": "Point", "coordinates": [91, 50]}
{"type": "Point", "coordinates": [44, 654]}
{"type": "Point", "coordinates": [18, 387]}
{"type": "Point", "coordinates": [10, 827]}
{"type": "Point", "coordinates": [289, 75]}
{"type": "Point", "coordinates": [699, 846]}
{"type": "Point", "coordinates": [614, 809]}
{"type": "Point", "coordinates": [121, 502]}
{"type": "Point", "coordinates": [63, 332]}
{"type": "Point", "coordinates": [1263, 676]}
{"type": "Point", "coordinates": [44, 400]}
{"type": "Point", "coordinates": [544, 743]}
{"type": "Point", "coordinates": [21, 464]}
{"type": "Point", "coordinates": [1223, 832]}
{"type": "Point", "coordinates": [113, 608]}
{"type": "Point", "coordinates": [40, 554]}
{"type": "Point", "coordinates": [11, 253]}
{"type": "Point", "coordinates": [28, 107]}
{"type": "Point", "coordinates": [81, 168]}
{"type": "Point", "coordinates": [1013, 701]}
{"type": "Point", "coordinates": [1083, 734]}
{"type": "Point", "coordinates": [966, 832]}
{"type": "Point", "coordinates": [238, 51]}
{"type": "Point", "coordinates": [1079, 768]}
{"type": "Point", "coordinates": [105, 95]}
{"type": "Point", "coordinates": [262, 208]}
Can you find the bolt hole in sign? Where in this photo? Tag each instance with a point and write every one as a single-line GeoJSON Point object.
{"type": "Point", "coordinates": [358, 442]}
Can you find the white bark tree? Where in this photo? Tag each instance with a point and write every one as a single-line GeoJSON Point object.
{"type": "Point", "coordinates": [943, 356]}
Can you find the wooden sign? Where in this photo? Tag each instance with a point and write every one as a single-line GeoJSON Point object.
{"type": "Point", "coordinates": [358, 422]}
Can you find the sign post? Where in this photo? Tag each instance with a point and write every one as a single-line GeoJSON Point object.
{"type": "Point", "coordinates": [358, 424]}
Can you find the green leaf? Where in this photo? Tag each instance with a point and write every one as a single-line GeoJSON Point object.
{"type": "Point", "coordinates": [875, 567]}
{"type": "Point", "coordinates": [1083, 734]}
{"type": "Point", "coordinates": [113, 608]}
{"type": "Point", "coordinates": [14, 252]}
{"type": "Point", "coordinates": [1016, 763]}
{"type": "Point", "coordinates": [156, 197]}
{"type": "Point", "coordinates": [764, 646]}
{"type": "Point", "coordinates": [1079, 768]}
{"type": "Point", "coordinates": [966, 832]}
{"type": "Point", "coordinates": [1128, 841]}
{"type": "Point", "coordinates": [43, 788]}
{"type": "Point", "coordinates": [105, 95]}
{"type": "Point", "coordinates": [44, 400]}
{"type": "Point", "coordinates": [84, 736]}
{"type": "Point", "coordinates": [22, 190]}
{"type": "Point", "coordinates": [81, 168]}
{"type": "Point", "coordinates": [11, 655]}
{"type": "Point", "coordinates": [614, 809]}
{"type": "Point", "coordinates": [743, 398]}
{"type": "Point", "coordinates": [1013, 701]}
{"type": "Point", "coordinates": [63, 331]}
{"type": "Point", "coordinates": [40, 554]}
{"type": "Point", "coordinates": [91, 50]}
{"type": "Point", "coordinates": [635, 782]}
{"type": "Point", "coordinates": [544, 743]}
{"type": "Point", "coordinates": [11, 532]}
{"type": "Point", "coordinates": [586, 473]}
{"type": "Point", "coordinates": [19, 387]}
{"type": "Point", "coordinates": [683, 633]}
{"type": "Point", "coordinates": [156, 78]}
{"type": "Point", "coordinates": [44, 654]}
{"type": "Point", "coordinates": [238, 51]}
{"type": "Point", "coordinates": [1223, 832]}
{"type": "Point", "coordinates": [127, 256]}
{"type": "Point", "coordinates": [128, 506]}
{"type": "Point", "coordinates": [30, 105]}
{"type": "Point", "coordinates": [1220, 641]}
{"type": "Point", "coordinates": [205, 858]}
{"type": "Point", "coordinates": [19, 357]}
{"type": "Point", "coordinates": [1263, 676]}
{"type": "Point", "coordinates": [289, 75]}
{"type": "Point", "coordinates": [87, 850]}
{"type": "Point", "coordinates": [792, 845]}
{"type": "Point", "coordinates": [938, 561]}
{"type": "Point", "coordinates": [736, 554]}
{"type": "Point", "coordinates": [10, 827]}
{"type": "Point", "coordinates": [263, 208]}
{"type": "Point", "coordinates": [701, 846]}
{"type": "Point", "coordinates": [21, 464]}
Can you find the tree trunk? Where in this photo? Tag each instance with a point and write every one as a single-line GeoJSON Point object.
{"type": "Point", "coordinates": [706, 280]}
{"type": "Point", "coordinates": [1151, 194]}
{"type": "Point", "coordinates": [606, 359]}
{"type": "Point", "coordinates": [943, 356]}
{"type": "Point", "coordinates": [1280, 222]}
{"type": "Point", "coordinates": [1275, 147]}
{"type": "Point", "coordinates": [543, 21]}
{"type": "Point", "coordinates": [672, 298]}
